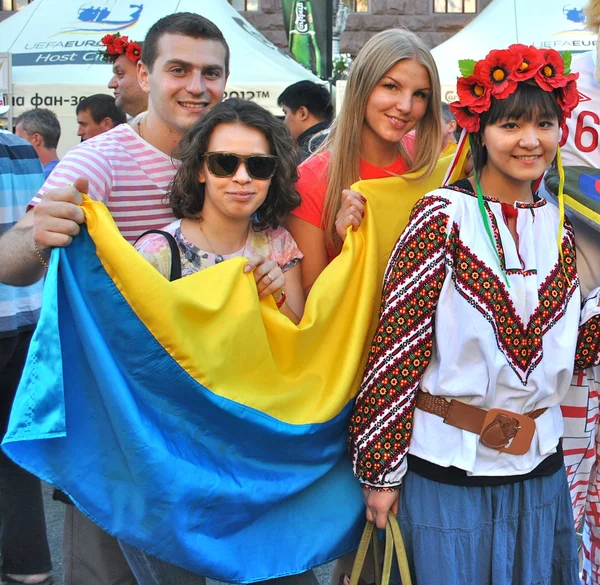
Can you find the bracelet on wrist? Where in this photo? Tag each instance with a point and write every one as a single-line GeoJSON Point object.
{"type": "Point", "coordinates": [281, 300]}
{"type": "Point", "coordinates": [40, 257]}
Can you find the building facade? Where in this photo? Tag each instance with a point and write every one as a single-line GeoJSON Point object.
{"type": "Point", "coordinates": [8, 7]}
{"type": "Point", "coordinates": [433, 20]}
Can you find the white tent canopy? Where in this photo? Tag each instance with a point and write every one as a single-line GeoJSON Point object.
{"type": "Point", "coordinates": [556, 24]}
{"type": "Point", "coordinates": [55, 43]}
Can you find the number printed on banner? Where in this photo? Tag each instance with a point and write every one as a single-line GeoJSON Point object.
{"type": "Point", "coordinates": [586, 131]}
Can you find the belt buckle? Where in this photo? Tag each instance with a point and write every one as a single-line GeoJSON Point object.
{"type": "Point", "coordinates": [497, 429]}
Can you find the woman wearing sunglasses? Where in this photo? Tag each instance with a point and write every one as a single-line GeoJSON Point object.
{"type": "Point", "coordinates": [230, 194]}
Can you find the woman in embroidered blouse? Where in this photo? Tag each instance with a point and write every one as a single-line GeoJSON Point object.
{"type": "Point", "coordinates": [393, 88]}
{"type": "Point", "coordinates": [230, 205]}
{"type": "Point", "coordinates": [481, 310]}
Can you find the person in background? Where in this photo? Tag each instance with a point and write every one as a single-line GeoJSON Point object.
{"type": "Point", "coordinates": [449, 127]}
{"type": "Point", "coordinates": [24, 551]}
{"type": "Point", "coordinates": [41, 128]}
{"type": "Point", "coordinates": [124, 56]}
{"type": "Point", "coordinates": [308, 113]}
{"type": "Point", "coordinates": [96, 114]}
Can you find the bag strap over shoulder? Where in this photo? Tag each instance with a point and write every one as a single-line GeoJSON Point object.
{"type": "Point", "coordinates": [175, 273]}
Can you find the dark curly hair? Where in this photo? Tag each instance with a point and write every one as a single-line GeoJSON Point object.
{"type": "Point", "coordinates": [187, 192]}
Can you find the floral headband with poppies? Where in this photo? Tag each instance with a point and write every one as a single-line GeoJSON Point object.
{"type": "Point", "coordinates": [498, 75]}
{"type": "Point", "coordinates": [117, 45]}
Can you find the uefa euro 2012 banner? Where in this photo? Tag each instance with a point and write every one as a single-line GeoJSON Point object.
{"type": "Point", "coordinates": [194, 421]}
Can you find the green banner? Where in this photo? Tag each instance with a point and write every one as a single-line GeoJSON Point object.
{"type": "Point", "coordinates": [308, 25]}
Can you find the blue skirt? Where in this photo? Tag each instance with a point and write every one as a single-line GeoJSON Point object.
{"type": "Point", "coordinates": [517, 534]}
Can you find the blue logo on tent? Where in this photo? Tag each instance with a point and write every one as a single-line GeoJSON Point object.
{"type": "Point", "coordinates": [574, 14]}
{"type": "Point", "coordinates": [97, 17]}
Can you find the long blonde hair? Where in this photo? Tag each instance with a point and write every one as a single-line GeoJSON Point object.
{"type": "Point", "coordinates": [378, 55]}
{"type": "Point", "coordinates": [592, 13]}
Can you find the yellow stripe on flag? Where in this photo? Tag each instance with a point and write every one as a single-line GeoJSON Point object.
{"type": "Point", "coordinates": [214, 326]}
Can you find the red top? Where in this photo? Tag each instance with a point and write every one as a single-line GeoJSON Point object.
{"type": "Point", "coordinates": [312, 181]}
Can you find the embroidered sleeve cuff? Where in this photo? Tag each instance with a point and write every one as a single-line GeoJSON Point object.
{"type": "Point", "coordinates": [389, 482]}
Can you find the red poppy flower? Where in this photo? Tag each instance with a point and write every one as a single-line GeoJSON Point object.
{"type": "Point", "coordinates": [107, 39]}
{"type": "Point", "coordinates": [551, 74]}
{"type": "Point", "coordinates": [473, 92]}
{"type": "Point", "coordinates": [529, 61]}
{"type": "Point", "coordinates": [496, 70]}
{"type": "Point", "coordinates": [134, 51]}
{"type": "Point", "coordinates": [568, 97]}
{"type": "Point", "coordinates": [118, 45]}
{"type": "Point", "coordinates": [465, 117]}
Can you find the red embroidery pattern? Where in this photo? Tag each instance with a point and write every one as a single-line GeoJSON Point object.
{"type": "Point", "coordinates": [381, 424]}
{"type": "Point", "coordinates": [522, 346]}
{"type": "Point", "coordinates": [588, 344]}
{"type": "Point", "coordinates": [531, 272]}
{"type": "Point", "coordinates": [496, 229]}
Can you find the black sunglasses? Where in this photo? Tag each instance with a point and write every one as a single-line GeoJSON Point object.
{"type": "Point", "coordinates": [225, 164]}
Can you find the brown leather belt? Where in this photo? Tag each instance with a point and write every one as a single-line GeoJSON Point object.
{"type": "Point", "coordinates": [498, 429]}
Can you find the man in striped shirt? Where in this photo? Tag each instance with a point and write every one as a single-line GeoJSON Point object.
{"type": "Point", "coordinates": [184, 68]}
{"type": "Point", "coordinates": [23, 543]}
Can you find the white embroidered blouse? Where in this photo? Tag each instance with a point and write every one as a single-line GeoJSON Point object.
{"type": "Point", "coordinates": [495, 328]}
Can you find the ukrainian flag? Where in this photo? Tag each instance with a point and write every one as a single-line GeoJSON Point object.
{"type": "Point", "coordinates": [193, 421]}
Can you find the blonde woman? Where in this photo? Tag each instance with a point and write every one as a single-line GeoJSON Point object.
{"type": "Point", "coordinates": [393, 88]}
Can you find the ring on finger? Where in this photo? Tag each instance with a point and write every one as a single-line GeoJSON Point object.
{"type": "Point", "coordinates": [271, 279]}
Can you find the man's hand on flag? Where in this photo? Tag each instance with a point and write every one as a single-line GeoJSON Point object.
{"type": "Point", "coordinates": [56, 218]}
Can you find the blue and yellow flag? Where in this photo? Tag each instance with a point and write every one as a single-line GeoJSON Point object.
{"type": "Point", "coordinates": [193, 421]}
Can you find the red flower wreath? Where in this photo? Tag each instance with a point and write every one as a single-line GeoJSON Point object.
{"type": "Point", "coordinates": [117, 45]}
{"type": "Point", "coordinates": [498, 75]}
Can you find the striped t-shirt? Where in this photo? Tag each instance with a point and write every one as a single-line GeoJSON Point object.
{"type": "Point", "coordinates": [127, 174]}
{"type": "Point", "coordinates": [20, 177]}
